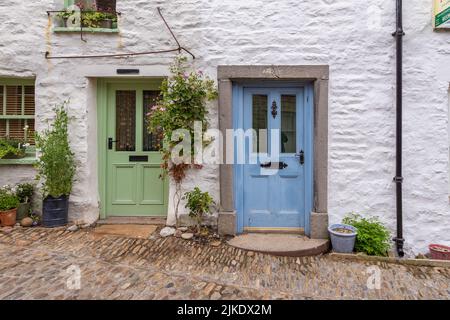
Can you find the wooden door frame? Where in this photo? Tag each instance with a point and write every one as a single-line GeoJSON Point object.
{"type": "Point", "coordinates": [102, 130]}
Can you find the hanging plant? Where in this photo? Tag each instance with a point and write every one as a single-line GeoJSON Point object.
{"type": "Point", "coordinates": [182, 102]}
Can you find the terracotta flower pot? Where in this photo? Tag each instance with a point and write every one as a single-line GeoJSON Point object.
{"type": "Point", "coordinates": [8, 218]}
{"type": "Point", "coordinates": [439, 252]}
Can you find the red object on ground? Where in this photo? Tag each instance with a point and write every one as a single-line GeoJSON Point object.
{"type": "Point", "coordinates": [439, 252]}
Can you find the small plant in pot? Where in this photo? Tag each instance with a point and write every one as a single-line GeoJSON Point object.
{"type": "Point", "coordinates": [24, 192]}
{"type": "Point", "coordinates": [199, 204]}
{"type": "Point", "coordinates": [65, 15]}
{"type": "Point", "coordinates": [56, 168]}
{"type": "Point", "coordinates": [12, 149]}
{"type": "Point", "coordinates": [8, 207]}
{"type": "Point", "coordinates": [373, 237]}
{"type": "Point", "coordinates": [343, 237]}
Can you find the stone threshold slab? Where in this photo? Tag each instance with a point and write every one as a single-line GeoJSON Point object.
{"type": "Point", "coordinates": [280, 244]}
{"type": "Point", "coordinates": [126, 230]}
{"type": "Point", "coordinates": [133, 220]}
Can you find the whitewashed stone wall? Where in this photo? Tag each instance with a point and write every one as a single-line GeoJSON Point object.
{"type": "Point", "coordinates": [348, 35]}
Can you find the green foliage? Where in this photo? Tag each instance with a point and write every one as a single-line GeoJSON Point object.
{"type": "Point", "coordinates": [93, 19]}
{"type": "Point", "coordinates": [373, 237]}
{"type": "Point", "coordinates": [182, 102]}
{"type": "Point", "coordinates": [199, 203]}
{"type": "Point", "coordinates": [56, 165]}
{"type": "Point", "coordinates": [66, 14]}
{"type": "Point", "coordinates": [8, 199]}
{"type": "Point", "coordinates": [24, 191]}
{"type": "Point", "coordinates": [10, 148]}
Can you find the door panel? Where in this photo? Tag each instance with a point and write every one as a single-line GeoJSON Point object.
{"type": "Point", "coordinates": [123, 184]}
{"type": "Point", "coordinates": [133, 183]}
{"type": "Point", "coordinates": [153, 190]}
{"type": "Point", "coordinates": [274, 198]}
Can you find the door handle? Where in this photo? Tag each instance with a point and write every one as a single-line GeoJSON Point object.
{"type": "Point", "coordinates": [301, 156]}
{"type": "Point", "coordinates": [110, 143]}
{"type": "Point", "coordinates": [266, 165]}
{"type": "Point", "coordinates": [281, 165]}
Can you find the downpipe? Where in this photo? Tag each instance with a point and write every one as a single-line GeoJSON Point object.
{"type": "Point", "coordinates": [398, 179]}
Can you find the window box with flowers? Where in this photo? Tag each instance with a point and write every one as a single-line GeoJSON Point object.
{"type": "Point", "coordinates": [17, 109]}
{"type": "Point", "coordinates": [87, 15]}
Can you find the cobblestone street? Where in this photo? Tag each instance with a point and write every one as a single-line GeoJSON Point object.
{"type": "Point", "coordinates": [41, 264]}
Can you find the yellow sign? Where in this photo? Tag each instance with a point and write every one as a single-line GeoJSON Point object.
{"type": "Point", "coordinates": [441, 16]}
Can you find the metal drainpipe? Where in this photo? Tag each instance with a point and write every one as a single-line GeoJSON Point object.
{"type": "Point", "coordinates": [398, 179]}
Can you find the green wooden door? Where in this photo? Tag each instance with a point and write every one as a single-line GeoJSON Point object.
{"type": "Point", "coordinates": [133, 169]}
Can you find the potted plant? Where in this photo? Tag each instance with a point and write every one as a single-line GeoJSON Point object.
{"type": "Point", "coordinates": [24, 192]}
{"type": "Point", "coordinates": [373, 237]}
{"type": "Point", "coordinates": [91, 19]}
{"type": "Point", "coordinates": [56, 168]}
{"type": "Point", "coordinates": [12, 149]}
{"type": "Point", "coordinates": [8, 207]}
{"type": "Point", "coordinates": [343, 237]}
{"type": "Point", "coordinates": [64, 16]}
{"type": "Point", "coordinates": [199, 203]}
{"type": "Point", "coordinates": [439, 252]}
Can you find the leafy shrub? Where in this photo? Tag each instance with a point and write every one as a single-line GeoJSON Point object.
{"type": "Point", "coordinates": [183, 101]}
{"type": "Point", "coordinates": [56, 165]}
{"type": "Point", "coordinates": [199, 203]}
{"type": "Point", "coordinates": [373, 237]}
{"type": "Point", "coordinates": [11, 149]}
{"type": "Point", "coordinates": [8, 199]}
{"type": "Point", "coordinates": [24, 191]}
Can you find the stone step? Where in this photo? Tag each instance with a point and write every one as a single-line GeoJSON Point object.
{"type": "Point", "coordinates": [133, 220]}
{"type": "Point", "coordinates": [280, 244]}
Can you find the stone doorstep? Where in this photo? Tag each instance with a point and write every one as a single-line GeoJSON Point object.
{"type": "Point", "coordinates": [410, 262]}
{"type": "Point", "coordinates": [288, 245]}
{"type": "Point", "coordinates": [133, 220]}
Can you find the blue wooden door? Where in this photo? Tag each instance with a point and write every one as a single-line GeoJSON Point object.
{"type": "Point", "coordinates": [277, 187]}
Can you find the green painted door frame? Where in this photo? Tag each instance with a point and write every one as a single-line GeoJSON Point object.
{"type": "Point", "coordinates": [109, 204]}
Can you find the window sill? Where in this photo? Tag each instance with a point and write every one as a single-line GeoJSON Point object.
{"type": "Point", "coordinates": [87, 30]}
{"type": "Point", "coordinates": [29, 159]}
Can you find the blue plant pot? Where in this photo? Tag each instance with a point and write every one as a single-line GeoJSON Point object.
{"type": "Point", "coordinates": [342, 242]}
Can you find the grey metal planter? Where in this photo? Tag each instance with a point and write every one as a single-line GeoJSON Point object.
{"type": "Point", "coordinates": [342, 242]}
{"type": "Point", "coordinates": [23, 210]}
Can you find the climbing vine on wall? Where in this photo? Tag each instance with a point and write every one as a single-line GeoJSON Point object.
{"type": "Point", "coordinates": [183, 101]}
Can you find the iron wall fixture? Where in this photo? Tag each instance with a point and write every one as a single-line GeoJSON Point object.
{"type": "Point", "coordinates": [178, 49]}
{"type": "Point", "coordinates": [127, 71]}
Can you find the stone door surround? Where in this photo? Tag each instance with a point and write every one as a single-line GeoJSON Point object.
{"type": "Point", "coordinates": [318, 75]}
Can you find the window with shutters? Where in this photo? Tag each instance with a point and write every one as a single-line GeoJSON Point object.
{"type": "Point", "coordinates": [17, 108]}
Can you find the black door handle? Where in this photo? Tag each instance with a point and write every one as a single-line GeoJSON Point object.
{"type": "Point", "coordinates": [266, 165]}
{"type": "Point", "coordinates": [301, 156]}
{"type": "Point", "coordinates": [281, 165]}
{"type": "Point", "coordinates": [110, 143]}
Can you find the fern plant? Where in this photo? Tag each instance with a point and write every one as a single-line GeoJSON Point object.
{"type": "Point", "coordinates": [373, 237]}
